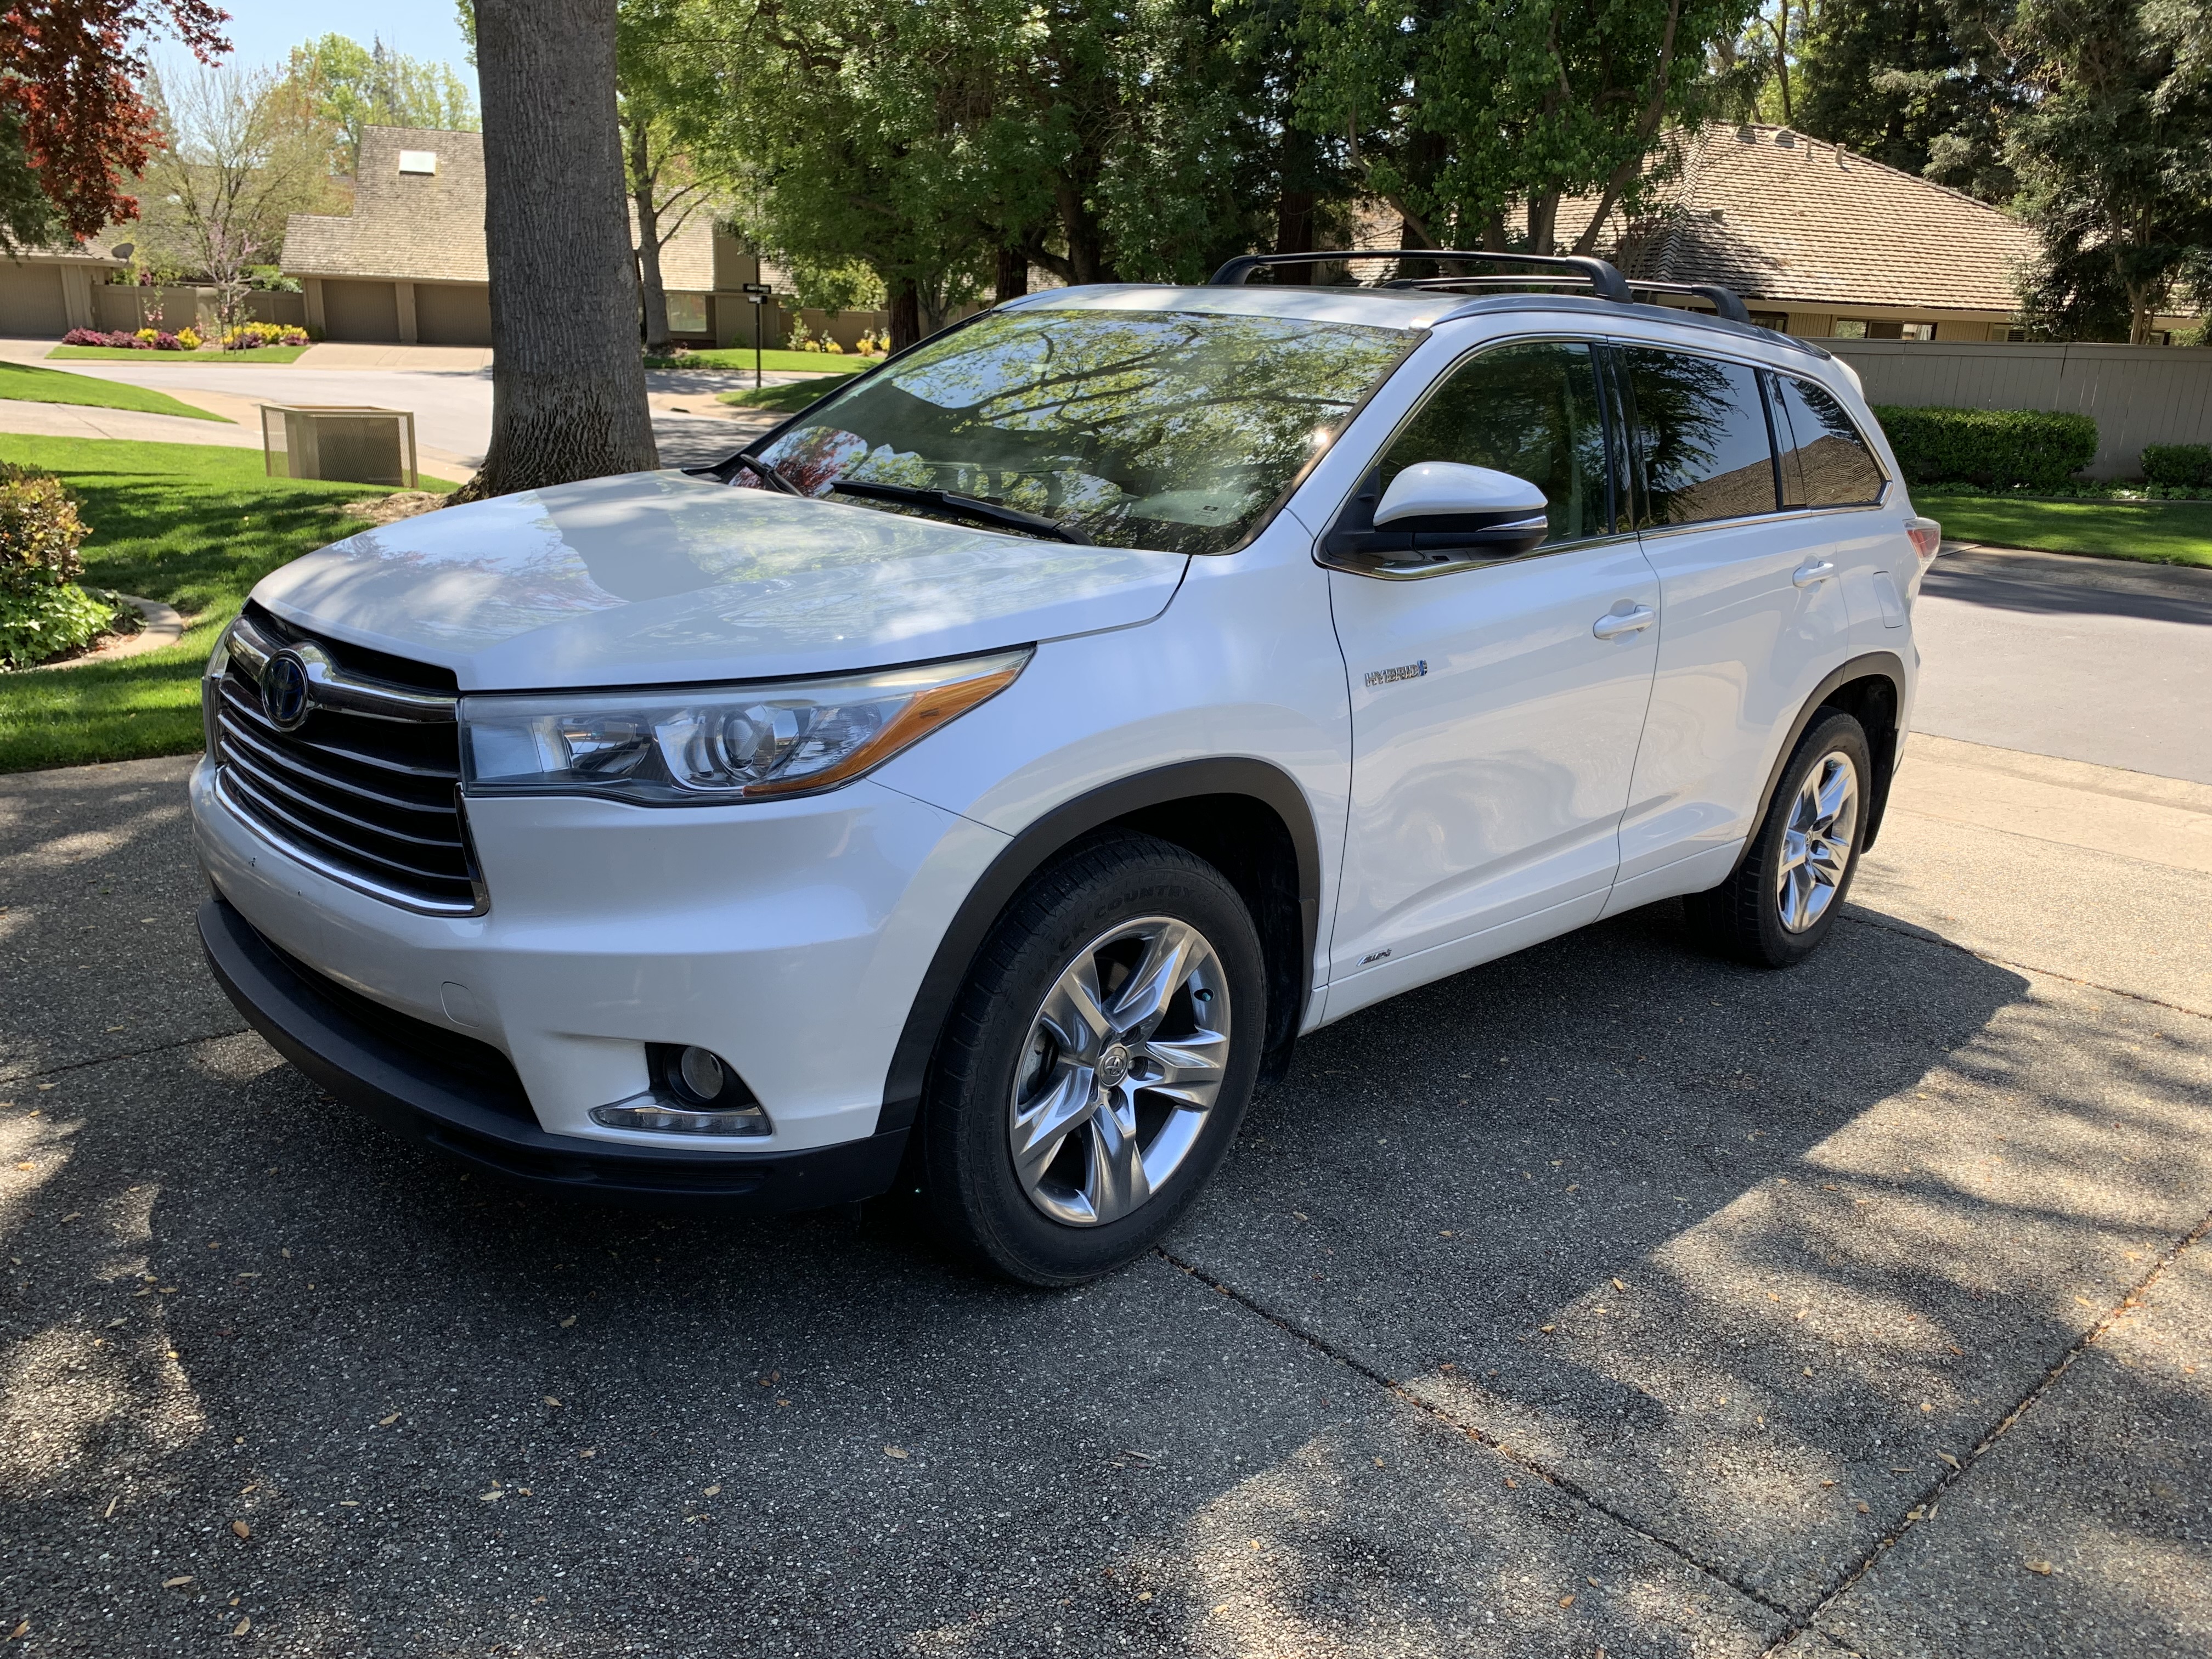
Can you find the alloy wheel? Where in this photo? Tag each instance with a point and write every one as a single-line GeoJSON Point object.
{"type": "Point", "coordinates": [1816, 841]}
{"type": "Point", "coordinates": [1124, 1060]}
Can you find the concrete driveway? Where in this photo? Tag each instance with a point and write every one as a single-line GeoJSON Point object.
{"type": "Point", "coordinates": [1605, 1299]}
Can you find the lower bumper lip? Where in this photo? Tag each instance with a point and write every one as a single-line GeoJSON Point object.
{"type": "Point", "coordinates": [439, 1095]}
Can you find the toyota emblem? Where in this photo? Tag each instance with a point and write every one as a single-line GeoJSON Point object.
{"type": "Point", "coordinates": [284, 691]}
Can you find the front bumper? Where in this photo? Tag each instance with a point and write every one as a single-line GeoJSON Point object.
{"type": "Point", "coordinates": [462, 1098]}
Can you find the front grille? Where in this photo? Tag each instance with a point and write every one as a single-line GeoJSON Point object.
{"type": "Point", "coordinates": [366, 787]}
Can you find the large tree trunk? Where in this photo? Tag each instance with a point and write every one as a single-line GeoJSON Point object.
{"type": "Point", "coordinates": [652, 294]}
{"type": "Point", "coordinates": [1013, 275]}
{"type": "Point", "coordinates": [567, 385]}
{"type": "Point", "coordinates": [906, 314]}
{"type": "Point", "coordinates": [1294, 232]}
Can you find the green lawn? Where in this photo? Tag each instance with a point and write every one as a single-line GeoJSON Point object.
{"type": "Point", "coordinates": [781, 362]}
{"type": "Point", "coordinates": [28, 383]}
{"type": "Point", "coordinates": [194, 524]}
{"type": "Point", "coordinates": [787, 398]}
{"type": "Point", "coordinates": [125, 355]}
{"type": "Point", "coordinates": [2164, 532]}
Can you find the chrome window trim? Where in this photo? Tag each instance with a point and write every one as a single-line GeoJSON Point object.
{"type": "Point", "coordinates": [1619, 538]}
{"type": "Point", "coordinates": [1658, 532]}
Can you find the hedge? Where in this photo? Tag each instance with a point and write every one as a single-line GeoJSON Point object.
{"type": "Point", "coordinates": [2184, 466]}
{"type": "Point", "coordinates": [1992, 448]}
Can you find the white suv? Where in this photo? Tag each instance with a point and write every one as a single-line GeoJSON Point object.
{"type": "Point", "coordinates": [991, 773]}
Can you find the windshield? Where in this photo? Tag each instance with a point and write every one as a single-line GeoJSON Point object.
{"type": "Point", "coordinates": [1173, 430]}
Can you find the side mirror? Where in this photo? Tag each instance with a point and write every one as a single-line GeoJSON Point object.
{"type": "Point", "coordinates": [1437, 516]}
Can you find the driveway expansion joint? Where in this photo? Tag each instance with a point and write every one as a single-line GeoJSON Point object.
{"type": "Point", "coordinates": [127, 1054]}
{"type": "Point", "coordinates": [1936, 1492]}
{"type": "Point", "coordinates": [1559, 1482]}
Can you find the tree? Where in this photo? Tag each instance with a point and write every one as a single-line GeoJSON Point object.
{"type": "Point", "coordinates": [567, 385]}
{"type": "Point", "coordinates": [1463, 114]}
{"type": "Point", "coordinates": [2114, 154]}
{"type": "Point", "coordinates": [73, 126]}
{"type": "Point", "coordinates": [1924, 86]}
{"type": "Point", "coordinates": [664, 88]}
{"type": "Point", "coordinates": [244, 153]}
{"type": "Point", "coordinates": [351, 86]}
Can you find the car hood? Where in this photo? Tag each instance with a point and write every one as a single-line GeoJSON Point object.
{"type": "Point", "coordinates": [659, 578]}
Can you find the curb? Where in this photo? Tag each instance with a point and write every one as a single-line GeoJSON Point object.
{"type": "Point", "coordinates": [164, 627]}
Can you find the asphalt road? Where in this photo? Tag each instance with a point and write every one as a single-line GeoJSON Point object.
{"type": "Point", "coordinates": [1608, 1297]}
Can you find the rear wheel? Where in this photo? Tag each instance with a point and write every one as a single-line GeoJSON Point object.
{"type": "Point", "coordinates": [1096, 1066]}
{"type": "Point", "coordinates": [1785, 897]}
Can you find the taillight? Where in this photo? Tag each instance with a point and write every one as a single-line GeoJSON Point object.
{"type": "Point", "coordinates": [1927, 536]}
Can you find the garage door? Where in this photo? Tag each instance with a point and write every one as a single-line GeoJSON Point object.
{"type": "Point", "coordinates": [31, 302]}
{"type": "Point", "coordinates": [361, 311]}
{"type": "Point", "coordinates": [452, 314]}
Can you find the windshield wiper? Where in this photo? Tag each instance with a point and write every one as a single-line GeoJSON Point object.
{"type": "Point", "coordinates": [766, 472]}
{"type": "Point", "coordinates": [963, 506]}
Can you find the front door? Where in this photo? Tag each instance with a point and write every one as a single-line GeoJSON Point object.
{"type": "Point", "coordinates": [1496, 708]}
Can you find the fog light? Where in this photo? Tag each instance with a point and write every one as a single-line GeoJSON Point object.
{"type": "Point", "coordinates": [696, 1092]}
{"type": "Point", "coordinates": [701, 1072]}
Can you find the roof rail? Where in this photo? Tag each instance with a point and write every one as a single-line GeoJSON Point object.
{"type": "Point", "coordinates": [1570, 268]}
{"type": "Point", "coordinates": [1723, 300]}
{"type": "Point", "coordinates": [1608, 283]}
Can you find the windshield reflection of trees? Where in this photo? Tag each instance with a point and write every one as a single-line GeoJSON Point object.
{"type": "Point", "coordinates": [1167, 430]}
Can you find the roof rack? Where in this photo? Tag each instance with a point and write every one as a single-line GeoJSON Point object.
{"type": "Point", "coordinates": [1608, 283]}
{"type": "Point", "coordinates": [1553, 270]}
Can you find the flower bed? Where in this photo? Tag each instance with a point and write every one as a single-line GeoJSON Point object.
{"type": "Point", "coordinates": [247, 337]}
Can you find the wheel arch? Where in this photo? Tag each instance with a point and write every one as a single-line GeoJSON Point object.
{"type": "Point", "coordinates": [1247, 817]}
{"type": "Point", "coordinates": [1871, 689]}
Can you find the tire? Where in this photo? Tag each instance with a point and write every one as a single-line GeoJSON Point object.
{"type": "Point", "coordinates": [1811, 834]}
{"type": "Point", "coordinates": [1057, 1142]}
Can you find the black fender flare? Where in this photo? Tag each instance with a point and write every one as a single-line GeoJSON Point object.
{"type": "Point", "coordinates": [1874, 664]}
{"type": "Point", "coordinates": [1036, 845]}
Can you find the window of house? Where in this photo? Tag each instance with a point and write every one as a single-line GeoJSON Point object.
{"type": "Point", "coordinates": [687, 313]}
{"type": "Point", "coordinates": [1826, 460]}
{"type": "Point", "coordinates": [1701, 436]}
{"type": "Point", "coordinates": [1776, 320]}
{"type": "Point", "coordinates": [1531, 410]}
{"type": "Point", "coordinates": [1850, 328]}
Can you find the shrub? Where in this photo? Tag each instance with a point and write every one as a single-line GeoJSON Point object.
{"type": "Point", "coordinates": [247, 336]}
{"type": "Point", "coordinates": [84, 337]}
{"type": "Point", "coordinates": [2184, 466]}
{"type": "Point", "coordinates": [1994, 448]}
{"type": "Point", "coordinates": [188, 339]}
{"type": "Point", "coordinates": [43, 612]}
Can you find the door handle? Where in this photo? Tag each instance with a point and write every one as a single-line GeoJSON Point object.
{"type": "Point", "coordinates": [1614, 625]}
{"type": "Point", "coordinates": [1813, 573]}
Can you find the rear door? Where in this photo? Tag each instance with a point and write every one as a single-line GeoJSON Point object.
{"type": "Point", "coordinates": [1755, 607]}
{"type": "Point", "coordinates": [1829, 469]}
{"type": "Point", "coordinates": [1495, 707]}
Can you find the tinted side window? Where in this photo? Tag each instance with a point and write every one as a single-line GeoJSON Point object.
{"type": "Point", "coordinates": [1531, 410]}
{"type": "Point", "coordinates": [1826, 461]}
{"type": "Point", "coordinates": [1701, 431]}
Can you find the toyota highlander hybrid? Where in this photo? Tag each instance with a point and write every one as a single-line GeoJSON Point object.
{"type": "Point", "coordinates": [984, 779]}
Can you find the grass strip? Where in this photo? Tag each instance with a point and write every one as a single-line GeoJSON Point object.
{"type": "Point", "coordinates": [193, 524]}
{"type": "Point", "coordinates": [126, 355]}
{"type": "Point", "coordinates": [28, 383]}
{"type": "Point", "coordinates": [2157, 533]}
{"type": "Point", "coordinates": [785, 399]}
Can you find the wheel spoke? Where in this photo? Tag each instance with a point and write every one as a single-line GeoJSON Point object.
{"type": "Point", "coordinates": [1073, 1010]}
{"type": "Point", "coordinates": [1158, 974]}
{"type": "Point", "coordinates": [1116, 1182]}
{"type": "Point", "coordinates": [1186, 1068]}
{"type": "Point", "coordinates": [1039, 1131]}
{"type": "Point", "coordinates": [1835, 797]}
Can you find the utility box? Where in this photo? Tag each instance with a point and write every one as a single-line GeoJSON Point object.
{"type": "Point", "coordinates": [350, 443]}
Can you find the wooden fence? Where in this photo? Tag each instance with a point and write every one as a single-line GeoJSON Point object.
{"type": "Point", "coordinates": [2138, 394]}
{"type": "Point", "coordinates": [128, 305]}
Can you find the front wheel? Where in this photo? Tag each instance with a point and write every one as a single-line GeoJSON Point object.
{"type": "Point", "coordinates": [1785, 897]}
{"type": "Point", "coordinates": [1097, 1063]}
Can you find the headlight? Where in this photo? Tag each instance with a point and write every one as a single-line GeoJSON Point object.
{"type": "Point", "coordinates": [716, 745]}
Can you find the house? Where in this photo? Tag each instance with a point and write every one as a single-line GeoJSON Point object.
{"type": "Point", "coordinates": [407, 265]}
{"type": "Point", "coordinates": [1826, 243]}
{"type": "Point", "coordinates": [45, 292]}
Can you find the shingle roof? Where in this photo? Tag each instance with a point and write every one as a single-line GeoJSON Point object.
{"type": "Point", "coordinates": [1776, 215]}
{"type": "Point", "coordinates": [429, 227]}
